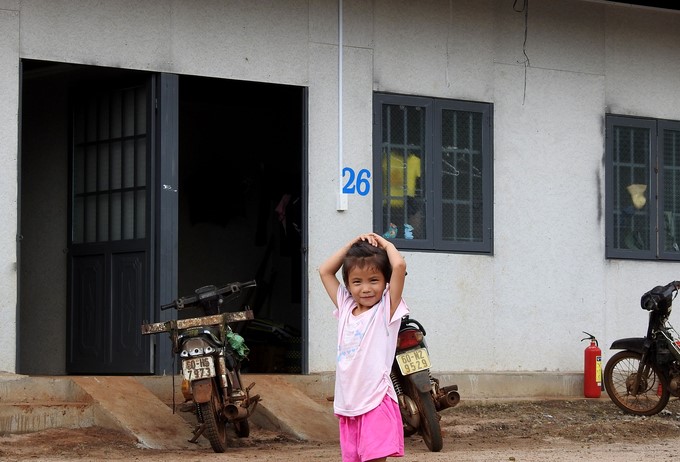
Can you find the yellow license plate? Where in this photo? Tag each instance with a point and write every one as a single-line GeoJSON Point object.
{"type": "Point", "coordinates": [198, 368]}
{"type": "Point", "coordinates": [413, 361]}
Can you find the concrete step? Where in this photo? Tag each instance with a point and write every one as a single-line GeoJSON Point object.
{"type": "Point", "coordinates": [29, 404]}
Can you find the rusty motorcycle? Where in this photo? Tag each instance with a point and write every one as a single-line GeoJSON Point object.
{"type": "Point", "coordinates": [211, 354]}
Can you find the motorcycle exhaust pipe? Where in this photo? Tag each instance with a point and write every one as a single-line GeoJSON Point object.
{"type": "Point", "coordinates": [234, 412]}
{"type": "Point", "coordinates": [450, 397]}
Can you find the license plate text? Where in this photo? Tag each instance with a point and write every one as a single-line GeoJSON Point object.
{"type": "Point", "coordinates": [413, 361]}
{"type": "Point", "coordinates": [198, 368]}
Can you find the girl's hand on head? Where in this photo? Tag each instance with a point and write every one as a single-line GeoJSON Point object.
{"type": "Point", "coordinates": [371, 238]}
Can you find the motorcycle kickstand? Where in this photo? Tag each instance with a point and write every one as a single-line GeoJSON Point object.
{"type": "Point", "coordinates": [198, 431]}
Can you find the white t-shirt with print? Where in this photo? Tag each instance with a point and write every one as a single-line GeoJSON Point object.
{"type": "Point", "coordinates": [366, 347]}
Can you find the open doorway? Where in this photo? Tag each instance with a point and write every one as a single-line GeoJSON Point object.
{"type": "Point", "coordinates": [241, 205]}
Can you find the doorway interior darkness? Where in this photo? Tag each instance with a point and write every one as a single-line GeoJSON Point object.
{"type": "Point", "coordinates": [240, 205]}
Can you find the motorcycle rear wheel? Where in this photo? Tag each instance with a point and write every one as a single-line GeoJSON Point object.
{"type": "Point", "coordinates": [215, 427]}
{"type": "Point", "coordinates": [619, 375]}
{"type": "Point", "coordinates": [429, 429]}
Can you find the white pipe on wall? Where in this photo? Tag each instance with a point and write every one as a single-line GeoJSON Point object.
{"type": "Point", "coordinates": [342, 198]}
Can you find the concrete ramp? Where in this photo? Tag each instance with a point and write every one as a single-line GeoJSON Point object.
{"type": "Point", "coordinates": [124, 403]}
{"type": "Point", "coordinates": [143, 406]}
{"type": "Point", "coordinates": [286, 408]}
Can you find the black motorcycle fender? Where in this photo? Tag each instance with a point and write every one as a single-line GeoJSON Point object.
{"type": "Point", "coordinates": [421, 380]}
{"type": "Point", "coordinates": [202, 390]}
{"type": "Point", "coordinates": [636, 344]}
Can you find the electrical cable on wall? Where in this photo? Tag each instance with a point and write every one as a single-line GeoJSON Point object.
{"type": "Point", "coordinates": [525, 9]}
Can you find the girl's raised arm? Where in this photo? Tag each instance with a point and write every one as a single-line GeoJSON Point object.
{"type": "Point", "coordinates": [398, 271]}
{"type": "Point", "coordinates": [329, 269]}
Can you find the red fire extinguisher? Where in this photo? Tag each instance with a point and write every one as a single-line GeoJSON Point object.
{"type": "Point", "coordinates": [592, 368]}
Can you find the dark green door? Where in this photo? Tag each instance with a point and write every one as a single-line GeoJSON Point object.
{"type": "Point", "coordinates": [110, 217]}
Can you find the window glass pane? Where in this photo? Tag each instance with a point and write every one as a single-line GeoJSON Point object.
{"type": "Point", "coordinates": [78, 220]}
{"type": "Point", "coordinates": [103, 120]}
{"type": "Point", "coordinates": [128, 164]}
{"type": "Point", "coordinates": [115, 217]}
{"type": "Point", "coordinates": [103, 167]}
{"type": "Point", "coordinates": [129, 112]}
{"type": "Point", "coordinates": [461, 179]}
{"type": "Point", "coordinates": [140, 214]}
{"type": "Point", "coordinates": [91, 219]}
{"type": "Point", "coordinates": [140, 170]}
{"type": "Point", "coordinates": [103, 218]}
{"type": "Point", "coordinates": [91, 120]}
{"type": "Point", "coordinates": [128, 215]}
{"type": "Point", "coordinates": [671, 190]}
{"type": "Point", "coordinates": [79, 124]}
{"type": "Point", "coordinates": [403, 168]}
{"type": "Point", "coordinates": [140, 111]}
{"type": "Point", "coordinates": [115, 129]}
{"type": "Point", "coordinates": [631, 166]}
{"type": "Point", "coordinates": [115, 165]}
{"type": "Point", "coordinates": [91, 169]}
{"type": "Point", "coordinates": [79, 170]}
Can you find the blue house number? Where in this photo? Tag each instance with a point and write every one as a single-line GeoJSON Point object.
{"type": "Point", "coordinates": [356, 182]}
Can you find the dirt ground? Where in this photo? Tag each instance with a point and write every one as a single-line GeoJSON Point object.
{"type": "Point", "coordinates": [554, 430]}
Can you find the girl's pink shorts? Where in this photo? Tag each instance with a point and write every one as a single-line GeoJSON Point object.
{"type": "Point", "coordinates": [376, 434]}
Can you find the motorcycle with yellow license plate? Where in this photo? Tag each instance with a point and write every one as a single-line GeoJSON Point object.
{"type": "Point", "coordinates": [419, 394]}
{"type": "Point", "coordinates": [211, 354]}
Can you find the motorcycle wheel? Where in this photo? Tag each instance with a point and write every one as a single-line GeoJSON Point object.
{"type": "Point", "coordinates": [215, 426]}
{"type": "Point", "coordinates": [619, 376]}
{"type": "Point", "coordinates": [242, 428]}
{"type": "Point", "coordinates": [429, 420]}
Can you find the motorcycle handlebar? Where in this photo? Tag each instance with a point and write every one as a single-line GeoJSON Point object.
{"type": "Point", "coordinates": [660, 298]}
{"type": "Point", "coordinates": [208, 292]}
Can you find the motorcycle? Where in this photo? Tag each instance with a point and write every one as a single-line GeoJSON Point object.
{"type": "Point", "coordinates": [419, 394]}
{"type": "Point", "coordinates": [641, 378]}
{"type": "Point", "coordinates": [211, 354]}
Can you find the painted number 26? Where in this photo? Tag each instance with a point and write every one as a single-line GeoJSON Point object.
{"type": "Point", "coordinates": [356, 182]}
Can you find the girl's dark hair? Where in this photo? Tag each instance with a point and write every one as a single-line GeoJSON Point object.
{"type": "Point", "coordinates": [362, 254]}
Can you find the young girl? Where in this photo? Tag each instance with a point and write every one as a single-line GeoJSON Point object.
{"type": "Point", "coordinates": [369, 310]}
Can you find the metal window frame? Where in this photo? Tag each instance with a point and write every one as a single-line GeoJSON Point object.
{"type": "Point", "coordinates": [655, 201]}
{"type": "Point", "coordinates": [663, 126]}
{"type": "Point", "coordinates": [486, 244]}
{"type": "Point", "coordinates": [434, 107]}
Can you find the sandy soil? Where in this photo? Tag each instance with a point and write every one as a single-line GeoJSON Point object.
{"type": "Point", "coordinates": [509, 431]}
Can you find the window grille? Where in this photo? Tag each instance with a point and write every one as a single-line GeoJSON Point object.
{"type": "Point", "coordinates": [109, 167]}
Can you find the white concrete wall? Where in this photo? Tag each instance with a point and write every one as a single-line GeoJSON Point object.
{"type": "Point", "coordinates": [9, 139]}
{"type": "Point", "coordinates": [522, 309]}
{"type": "Point", "coordinates": [525, 308]}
